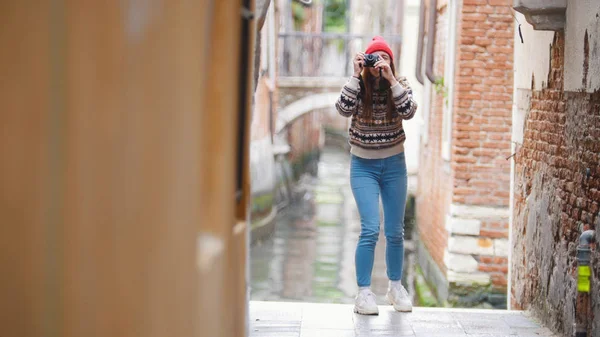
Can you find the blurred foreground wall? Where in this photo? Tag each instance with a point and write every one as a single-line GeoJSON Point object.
{"type": "Point", "coordinates": [123, 176]}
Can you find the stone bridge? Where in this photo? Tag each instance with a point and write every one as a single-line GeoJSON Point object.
{"type": "Point", "coordinates": [301, 95]}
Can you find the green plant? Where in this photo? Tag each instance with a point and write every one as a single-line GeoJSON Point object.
{"type": "Point", "coordinates": [440, 88]}
{"type": "Point", "coordinates": [335, 15]}
{"type": "Point", "coordinates": [262, 203]}
{"type": "Point", "coordinates": [425, 294]}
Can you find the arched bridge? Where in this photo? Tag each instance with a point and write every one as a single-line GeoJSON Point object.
{"type": "Point", "coordinates": [301, 95]}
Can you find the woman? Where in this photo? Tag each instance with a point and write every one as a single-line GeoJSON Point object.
{"type": "Point", "coordinates": [377, 103]}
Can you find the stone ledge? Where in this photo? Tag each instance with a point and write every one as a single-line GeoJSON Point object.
{"type": "Point", "coordinates": [458, 288]}
{"type": "Point", "coordinates": [479, 212]}
{"type": "Point", "coordinates": [501, 247]}
{"type": "Point", "coordinates": [469, 278]}
{"type": "Point", "coordinates": [543, 14]}
{"type": "Point", "coordinates": [469, 245]}
{"type": "Point", "coordinates": [460, 262]}
{"type": "Point", "coordinates": [463, 226]}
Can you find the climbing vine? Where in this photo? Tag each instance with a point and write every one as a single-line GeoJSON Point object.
{"type": "Point", "coordinates": [440, 88]}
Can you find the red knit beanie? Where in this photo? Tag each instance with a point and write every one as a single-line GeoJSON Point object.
{"type": "Point", "coordinates": [379, 44]}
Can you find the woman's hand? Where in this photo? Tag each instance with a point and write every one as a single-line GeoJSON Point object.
{"type": "Point", "coordinates": [386, 71]}
{"type": "Point", "coordinates": [359, 61]}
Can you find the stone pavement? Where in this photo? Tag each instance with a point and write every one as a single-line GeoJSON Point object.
{"type": "Point", "coordinates": [287, 319]}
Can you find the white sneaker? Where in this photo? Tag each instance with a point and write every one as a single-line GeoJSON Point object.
{"type": "Point", "coordinates": [399, 298]}
{"type": "Point", "coordinates": [365, 303]}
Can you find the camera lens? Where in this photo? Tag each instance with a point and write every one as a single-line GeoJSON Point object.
{"type": "Point", "coordinates": [371, 59]}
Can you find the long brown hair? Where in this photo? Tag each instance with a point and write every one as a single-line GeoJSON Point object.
{"type": "Point", "coordinates": [366, 84]}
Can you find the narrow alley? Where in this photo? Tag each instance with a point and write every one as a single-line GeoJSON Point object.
{"type": "Point", "coordinates": [310, 256]}
{"type": "Point", "coordinates": [182, 168]}
{"type": "Point", "coordinates": [303, 282]}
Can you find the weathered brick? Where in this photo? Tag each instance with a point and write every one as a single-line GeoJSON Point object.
{"type": "Point", "coordinates": [554, 147]}
{"type": "Point", "coordinates": [467, 56]}
{"type": "Point", "coordinates": [469, 9]}
{"type": "Point", "coordinates": [469, 144]}
{"type": "Point", "coordinates": [499, 17]}
{"type": "Point", "coordinates": [502, 194]}
{"type": "Point", "coordinates": [499, 279]}
{"type": "Point", "coordinates": [474, 33]}
{"type": "Point", "coordinates": [498, 73]}
{"type": "Point", "coordinates": [463, 96]}
{"type": "Point", "coordinates": [485, 153]}
{"type": "Point", "coordinates": [475, 2]}
{"type": "Point", "coordinates": [496, 225]}
{"type": "Point", "coordinates": [482, 72]}
{"type": "Point", "coordinates": [500, 50]}
{"type": "Point", "coordinates": [502, 42]}
{"type": "Point", "coordinates": [468, 24]}
{"type": "Point", "coordinates": [503, 3]}
{"type": "Point", "coordinates": [486, 9]}
{"type": "Point", "coordinates": [494, 80]}
{"type": "Point", "coordinates": [502, 25]}
{"type": "Point", "coordinates": [467, 40]}
{"type": "Point", "coordinates": [484, 25]}
{"type": "Point", "coordinates": [465, 159]}
{"type": "Point", "coordinates": [483, 42]}
{"type": "Point", "coordinates": [500, 34]}
{"type": "Point", "coordinates": [500, 57]}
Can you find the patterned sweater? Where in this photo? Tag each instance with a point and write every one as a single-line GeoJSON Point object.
{"type": "Point", "coordinates": [378, 138]}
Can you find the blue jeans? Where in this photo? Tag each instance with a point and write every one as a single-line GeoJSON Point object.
{"type": "Point", "coordinates": [369, 179]}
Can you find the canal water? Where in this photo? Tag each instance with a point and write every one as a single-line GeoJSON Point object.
{"type": "Point", "coordinates": [310, 255]}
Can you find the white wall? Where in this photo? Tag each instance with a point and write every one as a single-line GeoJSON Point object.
{"type": "Point", "coordinates": [408, 64]}
{"type": "Point", "coordinates": [262, 166]}
{"type": "Point", "coordinates": [531, 60]}
{"type": "Point", "coordinates": [582, 15]}
{"type": "Point", "coordinates": [531, 57]}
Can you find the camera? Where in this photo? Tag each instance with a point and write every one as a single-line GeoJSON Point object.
{"type": "Point", "coordinates": [371, 59]}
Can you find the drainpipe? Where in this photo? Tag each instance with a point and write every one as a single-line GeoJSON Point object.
{"type": "Point", "coordinates": [431, 40]}
{"type": "Point", "coordinates": [582, 308]}
{"type": "Point", "coordinates": [419, 70]}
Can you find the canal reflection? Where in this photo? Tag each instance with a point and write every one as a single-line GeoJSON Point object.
{"type": "Point", "coordinates": [310, 256]}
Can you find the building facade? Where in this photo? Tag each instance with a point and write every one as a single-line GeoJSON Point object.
{"type": "Point", "coordinates": [556, 168]}
{"type": "Point", "coordinates": [464, 174]}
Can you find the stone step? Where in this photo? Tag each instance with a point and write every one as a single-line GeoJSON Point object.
{"type": "Point", "coordinates": [299, 319]}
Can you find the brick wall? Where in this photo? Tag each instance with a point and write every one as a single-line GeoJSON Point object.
{"type": "Point", "coordinates": [477, 176]}
{"type": "Point", "coordinates": [552, 197]}
{"type": "Point", "coordinates": [435, 182]}
{"type": "Point", "coordinates": [483, 118]}
{"type": "Point", "coordinates": [483, 104]}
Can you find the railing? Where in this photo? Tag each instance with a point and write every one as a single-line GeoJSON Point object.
{"type": "Point", "coordinates": [324, 54]}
